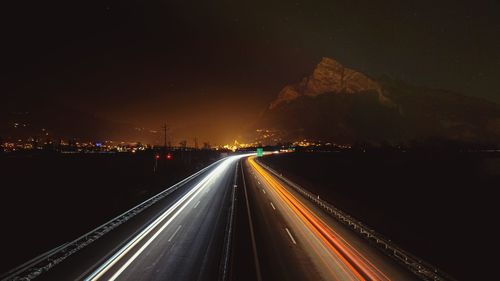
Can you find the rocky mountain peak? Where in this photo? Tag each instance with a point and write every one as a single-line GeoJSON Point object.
{"type": "Point", "coordinates": [330, 76]}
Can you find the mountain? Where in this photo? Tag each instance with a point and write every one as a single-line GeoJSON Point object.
{"type": "Point", "coordinates": [329, 76]}
{"type": "Point", "coordinates": [339, 104]}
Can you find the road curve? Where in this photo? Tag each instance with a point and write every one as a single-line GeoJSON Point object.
{"type": "Point", "coordinates": [278, 235]}
{"type": "Point", "coordinates": [296, 241]}
{"type": "Point", "coordinates": [182, 242]}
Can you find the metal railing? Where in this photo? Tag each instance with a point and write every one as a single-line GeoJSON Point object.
{"type": "Point", "coordinates": [46, 261]}
{"type": "Point", "coordinates": [228, 236]}
{"type": "Point", "coordinates": [422, 269]}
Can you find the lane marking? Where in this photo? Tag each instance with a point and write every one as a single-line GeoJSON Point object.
{"type": "Point", "coordinates": [308, 225]}
{"type": "Point", "coordinates": [316, 225]}
{"type": "Point", "coordinates": [123, 251]}
{"type": "Point", "coordinates": [320, 243]}
{"type": "Point", "coordinates": [291, 237]}
{"type": "Point", "coordinates": [196, 205]}
{"type": "Point", "coordinates": [177, 230]}
{"type": "Point", "coordinates": [252, 235]}
{"type": "Point", "coordinates": [153, 237]}
{"type": "Point", "coordinates": [263, 191]}
{"type": "Point", "coordinates": [272, 205]}
{"type": "Point", "coordinates": [314, 247]}
{"type": "Point", "coordinates": [117, 256]}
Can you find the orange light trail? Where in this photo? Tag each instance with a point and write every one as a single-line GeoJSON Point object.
{"type": "Point", "coordinates": [352, 259]}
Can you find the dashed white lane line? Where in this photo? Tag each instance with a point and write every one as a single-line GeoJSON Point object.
{"type": "Point", "coordinates": [196, 205]}
{"type": "Point", "coordinates": [177, 230]}
{"type": "Point", "coordinates": [263, 191]}
{"type": "Point", "coordinates": [291, 237]}
{"type": "Point", "coordinates": [272, 205]}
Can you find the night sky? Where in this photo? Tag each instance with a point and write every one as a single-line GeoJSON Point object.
{"type": "Point", "coordinates": [210, 67]}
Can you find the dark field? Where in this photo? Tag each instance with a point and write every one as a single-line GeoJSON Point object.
{"type": "Point", "coordinates": [48, 198]}
{"type": "Point", "coordinates": [439, 206]}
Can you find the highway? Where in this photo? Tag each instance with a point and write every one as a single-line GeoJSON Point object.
{"type": "Point", "coordinates": [182, 242]}
{"type": "Point", "coordinates": [276, 234]}
{"type": "Point", "coordinates": [297, 241]}
{"type": "Point", "coordinates": [182, 236]}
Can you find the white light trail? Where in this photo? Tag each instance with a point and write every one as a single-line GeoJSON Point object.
{"type": "Point", "coordinates": [184, 201]}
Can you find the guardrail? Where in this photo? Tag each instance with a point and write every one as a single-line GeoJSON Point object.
{"type": "Point", "coordinates": [228, 237]}
{"type": "Point", "coordinates": [416, 265]}
{"type": "Point", "coordinates": [46, 261]}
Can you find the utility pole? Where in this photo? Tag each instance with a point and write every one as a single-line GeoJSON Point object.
{"type": "Point", "coordinates": [196, 143]}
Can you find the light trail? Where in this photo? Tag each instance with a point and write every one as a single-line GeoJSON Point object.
{"type": "Point", "coordinates": [177, 207]}
{"type": "Point", "coordinates": [352, 259]}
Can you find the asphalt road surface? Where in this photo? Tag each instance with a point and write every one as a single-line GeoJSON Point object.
{"type": "Point", "coordinates": [185, 242]}
{"type": "Point", "coordinates": [294, 240]}
{"type": "Point", "coordinates": [190, 235]}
